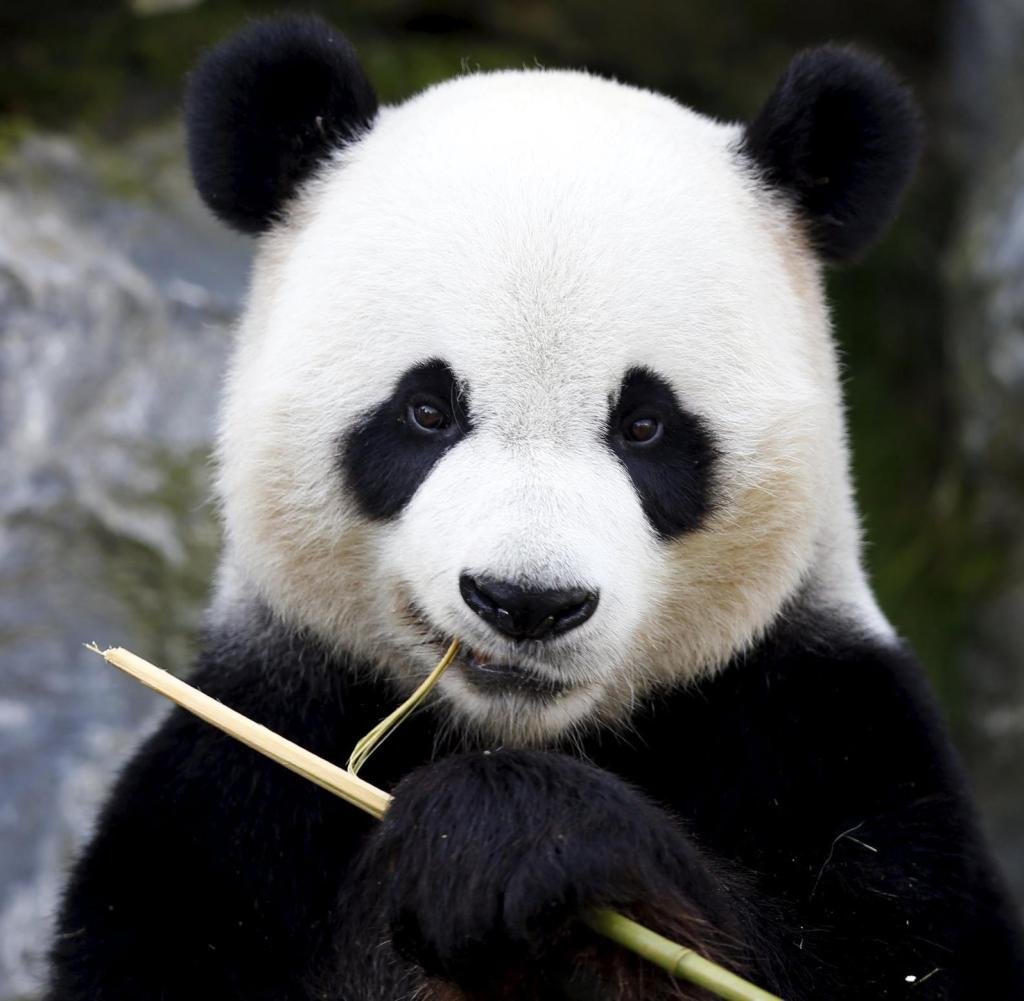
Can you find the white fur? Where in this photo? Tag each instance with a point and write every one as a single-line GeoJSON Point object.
{"type": "Point", "coordinates": [542, 232]}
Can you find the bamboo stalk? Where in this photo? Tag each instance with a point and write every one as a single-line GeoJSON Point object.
{"type": "Point", "coordinates": [676, 960]}
{"type": "Point", "coordinates": [328, 776]}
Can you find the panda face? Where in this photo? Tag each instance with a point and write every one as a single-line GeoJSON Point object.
{"type": "Point", "coordinates": [540, 362]}
{"type": "Point", "coordinates": [536, 364]}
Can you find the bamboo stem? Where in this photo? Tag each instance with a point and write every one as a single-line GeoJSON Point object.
{"type": "Point", "coordinates": [676, 960]}
{"type": "Point", "coordinates": [328, 776]}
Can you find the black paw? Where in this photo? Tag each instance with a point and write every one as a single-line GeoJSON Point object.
{"type": "Point", "coordinates": [484, 861]}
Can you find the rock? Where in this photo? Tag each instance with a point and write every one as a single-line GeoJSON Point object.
{"type": "Point", "coordinates": [114, 313]}
{"type": "Point", "coordinates": [986, 341]}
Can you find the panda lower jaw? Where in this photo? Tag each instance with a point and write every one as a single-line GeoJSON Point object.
{"type": "Point", "coordinates": [490, 677]}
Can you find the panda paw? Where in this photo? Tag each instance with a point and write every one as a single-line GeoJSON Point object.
{"type": "Point", "coordinates": [484, 861]}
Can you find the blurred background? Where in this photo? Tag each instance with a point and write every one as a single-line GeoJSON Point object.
{"type": "Point", "coordinates": [117, 292]}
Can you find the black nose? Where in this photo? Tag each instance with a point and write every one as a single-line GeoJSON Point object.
{"type": "Point", "coordinates": [527, 613]}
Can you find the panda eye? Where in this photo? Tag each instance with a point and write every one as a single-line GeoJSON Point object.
{"type": "Point", "coordinates": [427, 416]}
{"type": "Point", "coordinates": [642, 430]}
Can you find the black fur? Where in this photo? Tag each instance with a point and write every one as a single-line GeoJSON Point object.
{"type": "Point", "coordinates": [799, 817]}
{"type": "Point", "coordinates": [264, 108]}
{"type": "Point", "coordinates": [840, 135]}
{"type": "Point", "coordinates": [386, 458]}
{"type": "Point", "coordinates": [673, 476]}
{"type": "Point", "coordinates": [505, 922]}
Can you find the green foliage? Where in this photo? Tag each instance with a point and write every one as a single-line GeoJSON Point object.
{"type": "Point", "coordinates": [160, 590]}
{"type": "Point", "coordinates": [13, 130]}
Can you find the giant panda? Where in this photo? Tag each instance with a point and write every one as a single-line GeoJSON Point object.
{"type": "Point", "coordinates": [542, 362]}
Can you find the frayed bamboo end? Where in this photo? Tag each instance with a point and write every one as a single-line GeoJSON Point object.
{"type": "Point", "coordinates": [325, 774]}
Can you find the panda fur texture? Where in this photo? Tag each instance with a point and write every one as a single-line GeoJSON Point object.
{"type": "Point", "coordinates": [543, 362]}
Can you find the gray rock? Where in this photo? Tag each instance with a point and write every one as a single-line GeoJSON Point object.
{"type": "Point", "coordinates": [986, 343]}
{"type": "Point", "coordinates": [116, 293]}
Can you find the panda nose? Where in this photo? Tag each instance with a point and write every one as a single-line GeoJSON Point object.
{"type": "Point", "coordinates": [527, 613]}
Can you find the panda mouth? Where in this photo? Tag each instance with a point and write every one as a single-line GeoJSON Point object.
{"type": "Point", "coordinates": [486, 674]}
{"type": "Point", "coordinates": [494, 677]}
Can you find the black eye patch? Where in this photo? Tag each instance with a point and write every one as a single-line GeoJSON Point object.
{"type": "Point", "coordinates": [673, 471]}
{"type": "Point", "coordinates": [390, 453]}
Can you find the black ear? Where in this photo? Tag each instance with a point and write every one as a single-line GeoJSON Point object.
{"type": "Point", "coordinates": [264, 108]}
{"type": "Point", "coordinates": [840, 135]}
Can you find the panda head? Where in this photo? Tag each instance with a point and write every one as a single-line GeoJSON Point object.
{"type": "Point", "coordinates": [539, 361]}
